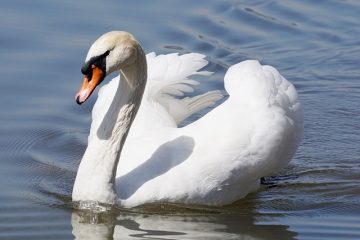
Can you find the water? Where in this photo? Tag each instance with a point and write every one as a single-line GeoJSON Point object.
{"type": "Point", "coordinates": [315, 44]}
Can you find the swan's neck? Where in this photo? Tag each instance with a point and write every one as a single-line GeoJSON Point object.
{"type": "Point", "coordinates": [95, 179]}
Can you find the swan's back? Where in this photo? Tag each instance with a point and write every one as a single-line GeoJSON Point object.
{"type": "Point", "coordinates": [255, 132]}
{"type": "Point", "coordinates": [272, 109]}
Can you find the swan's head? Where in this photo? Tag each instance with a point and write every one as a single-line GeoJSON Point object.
{"type": "Point", "coordinates": [110, 52]}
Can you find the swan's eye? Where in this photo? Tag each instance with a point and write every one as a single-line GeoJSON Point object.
{"type": "Point", "coordinates": [98, 61]}
{"type": "Point", "coordinates": [90, 73]}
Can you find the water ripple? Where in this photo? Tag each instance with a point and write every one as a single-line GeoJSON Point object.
{"type": "Point", "coordinates": [315, 44]}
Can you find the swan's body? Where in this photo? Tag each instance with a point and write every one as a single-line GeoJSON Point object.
{"type": "Point", "coordinates": [215, 160]}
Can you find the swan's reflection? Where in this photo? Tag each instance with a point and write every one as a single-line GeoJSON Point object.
{"type": "Point", "coordinates": [92, 226]}
{"type": "Point", "coordinates": [143, 226]}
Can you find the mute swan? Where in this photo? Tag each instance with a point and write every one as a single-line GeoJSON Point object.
{"type": "Point", "coordinates": [215, 160]}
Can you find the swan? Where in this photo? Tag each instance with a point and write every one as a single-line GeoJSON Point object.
{"type": "Point", "coordinates": [136, 152]}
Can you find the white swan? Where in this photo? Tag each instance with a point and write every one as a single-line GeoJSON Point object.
{"type": "Point", "coordinates": [215, 160]}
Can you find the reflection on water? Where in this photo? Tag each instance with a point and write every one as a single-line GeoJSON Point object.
{"type": "Point", "coordinates": [43, 133]}
{"type": "Point", "coordinates": [137, 226]}
{"type": "Point", "coordinates": [92, 225]}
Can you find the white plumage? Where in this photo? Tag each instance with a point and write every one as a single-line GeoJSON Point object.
{"type": "Point", "coordinates": [215, 160]}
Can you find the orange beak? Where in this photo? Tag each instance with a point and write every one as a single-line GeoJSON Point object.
{"type": "Point", "coordinates": [89, 85]}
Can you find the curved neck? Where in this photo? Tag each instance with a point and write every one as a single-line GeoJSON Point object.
{"type": "Point", "coordinates": [97, 171]}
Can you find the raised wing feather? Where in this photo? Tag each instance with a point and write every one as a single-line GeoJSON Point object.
{"type": "Point", "coordinates": [170, 79]}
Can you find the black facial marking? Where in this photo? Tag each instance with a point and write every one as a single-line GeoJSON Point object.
{"type": "Point", "coordinates": [98, 61]}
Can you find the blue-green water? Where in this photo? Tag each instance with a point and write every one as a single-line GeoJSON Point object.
{"type": "Point", "coordinates": [315, 44]}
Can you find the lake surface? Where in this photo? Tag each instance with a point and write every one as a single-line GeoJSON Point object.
{"type": "Point", "coordinates": [314, 44]}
